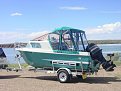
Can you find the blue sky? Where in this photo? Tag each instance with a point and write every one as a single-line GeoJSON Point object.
{"type": "Point", "coordinates": [22, 20]}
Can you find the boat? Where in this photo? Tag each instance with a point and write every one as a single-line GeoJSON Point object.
{"type": "Point", "coordinates": [3, 59]}
{"type": "Point", "coordinates": [64, 51]}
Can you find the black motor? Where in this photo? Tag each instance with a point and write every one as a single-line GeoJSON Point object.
{"type": "Point", "coordinates": [96, 54]}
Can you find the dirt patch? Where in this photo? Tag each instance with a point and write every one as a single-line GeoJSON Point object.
{"type": "Point", "coordinates": [31, 81]}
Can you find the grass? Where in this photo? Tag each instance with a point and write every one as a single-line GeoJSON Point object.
{"type": "Point", "coordinates": [118, 75]}
{"type": "Point", "coordinates": [117, 63]}
{"type": "Point", "coordinates": [24, 65]}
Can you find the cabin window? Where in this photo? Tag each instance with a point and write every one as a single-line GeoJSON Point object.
{"type": "Point", "coordinates": [54, 39]}
{"type": "Point", "coordinates": [66, 42]}
{"type": "Point", "coordinates": [35, 45]}
{"type": "Point", "coordinates": [84, 41]}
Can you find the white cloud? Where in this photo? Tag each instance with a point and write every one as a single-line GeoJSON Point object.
{"type": "Point", "coordinates": [106, 31]}
{"type": "Point", "coordinates": [106, 28]}
{"type": "Point", "coordinates": [10, 37]}
{"type": "Point", "coordinates": [36, 34]}
{"type": "Point", "coordinates": [16, 14]}
{"type": "Point", "coordinates": [73, 8]}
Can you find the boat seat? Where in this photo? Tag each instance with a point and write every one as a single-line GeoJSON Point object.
{"type": "Point", "coordinates": [55, 46]}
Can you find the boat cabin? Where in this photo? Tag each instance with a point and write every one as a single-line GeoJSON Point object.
{"type": "Point", "coordinates": [61, 39]}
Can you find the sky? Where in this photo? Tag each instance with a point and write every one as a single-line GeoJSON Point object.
{"type": "Point", "coordinates": [23, 20]}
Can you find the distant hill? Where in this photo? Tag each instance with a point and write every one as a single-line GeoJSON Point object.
{"type": "Point", "coordinates": [12, 45]}
{"type": "Point", "coordinates": [105, 41]}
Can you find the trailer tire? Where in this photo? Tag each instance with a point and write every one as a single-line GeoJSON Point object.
{"type": "Point", "coordinates": [63, 76]}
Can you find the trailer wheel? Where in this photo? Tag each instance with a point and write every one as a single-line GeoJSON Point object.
{"type": "Point", "coordinates": [63, 76]}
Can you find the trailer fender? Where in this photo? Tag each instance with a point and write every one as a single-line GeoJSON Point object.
{"type": "Point", "coordinates": [68, 70]}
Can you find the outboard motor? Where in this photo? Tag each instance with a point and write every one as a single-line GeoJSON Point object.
{"type": "Point", "coordinates": [96, 54]}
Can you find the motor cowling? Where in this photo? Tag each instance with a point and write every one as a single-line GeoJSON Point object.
{"type": "Point", "coordinates": [96, 54]}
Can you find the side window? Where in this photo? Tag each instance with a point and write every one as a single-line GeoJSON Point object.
{"type": "Point", "coordinates": [54, 40]}
{"type": "Point", "coordinates": [80, 44]}
{"type": "Point", "coordinates": [35, 45]}
{"type": "Point", "coordinates": [85, 43]}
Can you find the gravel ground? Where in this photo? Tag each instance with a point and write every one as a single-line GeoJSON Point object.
{"type": "Point", "coordinates": [38, 81]}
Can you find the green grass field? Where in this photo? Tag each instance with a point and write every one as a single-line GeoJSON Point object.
{"type": "Point", "coordinates": [118, 63]}
{"type": "Point", "coordinates": [24, 65]}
